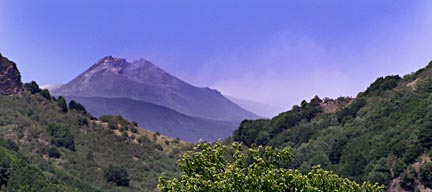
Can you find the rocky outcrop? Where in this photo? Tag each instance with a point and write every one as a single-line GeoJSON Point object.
{"type": "Point", "coordinates": [10, 77]}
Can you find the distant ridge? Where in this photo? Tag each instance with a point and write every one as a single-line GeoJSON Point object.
{"type": "Point", "coordinates": [132, 86]}
{"type": "Point", "coordinates": [141, 80]}
{"type": "Point", "coordinates": [160, 119]}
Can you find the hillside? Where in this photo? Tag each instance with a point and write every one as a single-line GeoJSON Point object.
{"type": "Point", "coordinates": [159, 118]}
{"type": "Point", "coordinates": [46, 145]}
{"type": "Point", "coordinates": [383, 135]}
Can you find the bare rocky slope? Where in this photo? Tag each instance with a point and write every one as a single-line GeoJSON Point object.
{"type": "Point", "coordinates": [10, 77]}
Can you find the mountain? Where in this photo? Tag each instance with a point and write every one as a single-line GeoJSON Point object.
{"type": "Point", "coordinates": [141, 80]}
{"type": "Point", "coordinates": [160, 119]}
{"type": "Point", "coordinates": [10, 77]}
{"type": "Point", "coordinates": [255, 107]}
{"type": "Point", "coordinates": [46, 148]}
{"type": "Point", "coordinates": [383, 135]}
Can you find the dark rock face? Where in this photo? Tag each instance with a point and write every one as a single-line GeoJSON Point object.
{"type": "Point", "coordinates": [10, 77]}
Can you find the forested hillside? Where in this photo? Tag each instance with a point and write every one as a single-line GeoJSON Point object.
{"type": "Point", "coordinates": [48, 145]}
{"type": "Point", "coordinates": [384, 135]}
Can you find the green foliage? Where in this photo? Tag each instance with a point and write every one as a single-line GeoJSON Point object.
{"type": "Point", "coordinates": [260, 132]}
{"type": "Point", "coordinates": [408, 178]}
{"type": "Point", "coordinates": [73, 105]}
{"type": "Point", "coordinates": [375, 137]}
{"type": "Point", "coordinates": [351, 111]}
{"type": "Point", "coordinates": [62, 137]}
{"type": "Point", "coordinates": [33, 87]}
{"type": "Point", "coordinates": [426, 174]}
{"type": "Point", "coordinates": [54, 153]}
{"type": "Point", "coordinates": [425, 136]}
{"type": "Point", "coordinates": [27, 119]}
{"type": "Point", "coordinates": [61, 102]}
{"type": "Point", "coordinates": [17, 175]}
{"type": "Point", "coordinates": [117, 175]}
{"type": "Point", "coordinates": [134, 129]}
{"type": "Point", "coordinates": [383, 84]}
{"type": "Point", "coordinates": [218, 168]}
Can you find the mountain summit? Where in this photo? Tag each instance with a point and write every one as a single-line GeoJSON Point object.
{"type": "Point", "coordinates": [173, 106]}
{"type": "Point", "coordinates": [141, 80]}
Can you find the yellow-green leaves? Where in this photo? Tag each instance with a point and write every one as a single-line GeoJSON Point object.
{"type": "Point", "coordinates": [220, 168]}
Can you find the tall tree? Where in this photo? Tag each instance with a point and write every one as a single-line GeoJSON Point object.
{"type": "Point", "coordinates": [219, 168]}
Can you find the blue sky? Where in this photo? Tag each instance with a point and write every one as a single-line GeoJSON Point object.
{"type": "Point", "coordinates": [274, 52]}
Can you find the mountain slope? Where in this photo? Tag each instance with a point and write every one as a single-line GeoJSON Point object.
{"type": "Point", "coordinates": [384, 135]}
{"type": "Point", "coordinates": [44, 147]}
{"type": "Point", "coordinates": [159, 118]}
{"type": "Point", "coordinates": [141, 80]}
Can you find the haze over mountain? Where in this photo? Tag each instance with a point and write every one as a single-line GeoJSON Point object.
{"type": "Point", "coordinates": [262, 109]}
{"type": "Point", "coordinates": [159, 118]}
{"type": "Point", "coordinates": [140, 80]}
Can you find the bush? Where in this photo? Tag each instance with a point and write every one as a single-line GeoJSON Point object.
{"type": "Point", "coordinates": [32, 87]}
{"type": "Point", "coordinates": [54, 153]}
{"type": "Point", "coordinates": [408, 179]}
{"type": "Point", "coordinates": [134, 130]}
{"type": "Point", "coordinates": [73, 105]}
{"type": "Point", "coordinates": [46, 94]}
{"type": "Point", "coordinates": [61, 102]}
{"type": "Point", "coordinates": [117, 175]}
{"type": "Point", "coordinates": [61, 137]}
{"type": "Point", "coordinates": [426, 174]}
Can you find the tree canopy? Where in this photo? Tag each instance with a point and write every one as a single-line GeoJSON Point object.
{"type": "Point", "coordinates": [220, 168]}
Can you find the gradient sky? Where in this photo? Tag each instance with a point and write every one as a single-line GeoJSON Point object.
{"type": "Point", "coordinates": [274, 52]}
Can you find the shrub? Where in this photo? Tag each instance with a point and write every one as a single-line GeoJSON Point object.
{"type": "Point", "coordinates": [73, 105]}
{"type": "Point", "coordinates": [61, 137]}
{"type": "Point", "coordinates": [32, 87]}
{"type": "Point", "coordinates": [54, 153]}
{"type": "Point", "coordinates": [117, 175]}
{"type": "Point", "coordinates": [408, 179]}
{"type": "Point", "coordinates": [134, 130]}
{"type": "Point", "coordinates": [426, 174]}
{"type": "Point", "coordinates": [61, 102]}
{"type": "Point", "coordinates": [46, 94]}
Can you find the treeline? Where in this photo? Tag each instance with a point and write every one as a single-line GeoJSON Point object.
{"type": "Point", "coordinates": [376, 137]}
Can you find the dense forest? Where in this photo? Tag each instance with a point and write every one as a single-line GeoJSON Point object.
{"type": "Point", "coordinates": [383, 135]}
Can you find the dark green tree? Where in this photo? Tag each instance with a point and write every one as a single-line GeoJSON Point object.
{"type": "Point", "coordinates": [117, 175]}
{"type": "Point", "coordinates": [408, 179]}
{"type": "Point", "coordinates": [73, 105]}
{"type": "Point", "coordinates": [425, 136]}
{"type": "Point", "coordinates": [61, 137]}
{"type": "Point", "coordinates": [54, 153]}
{"type": "Point", "coordinates": [61, 102]}
{"type": "Point", "coordinates": [32, 87]}
{"type": "Point", "coordinates": [46, 94]}
{"type": "Point", "coordinates": [426, 174]}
